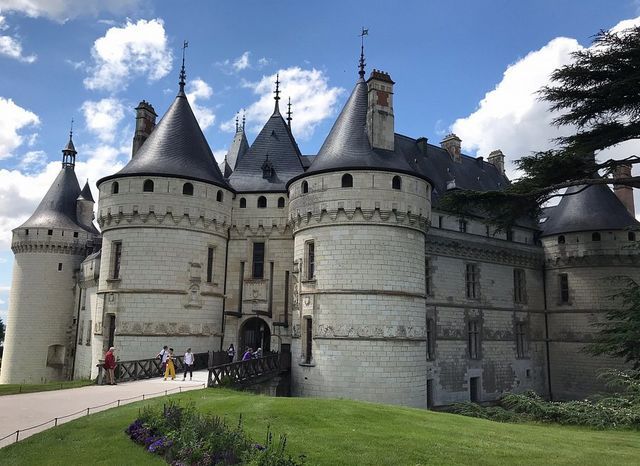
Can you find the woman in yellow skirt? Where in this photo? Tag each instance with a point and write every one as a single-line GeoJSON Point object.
{"type": "Point", "coordinates": [171, 369]}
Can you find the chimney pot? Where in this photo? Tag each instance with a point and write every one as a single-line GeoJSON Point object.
{"type": "Point", "coordinates": [380, 119]}
{"type": "Point", "coordinates": [145, 122]}
{"type": "Point", "coordinates": [624, 193]}
{"type": "Point", "coordinates": [452, 144]}
{"type": "Point", "coordinates": [496, 158]}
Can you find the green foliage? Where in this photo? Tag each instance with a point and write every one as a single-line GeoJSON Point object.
{"type": "Point", "coordinates": [619, 335]}
{"type": "Point", "coordinates": [14, 389]}
{"type": "Point", "coordinates": [1, 330]}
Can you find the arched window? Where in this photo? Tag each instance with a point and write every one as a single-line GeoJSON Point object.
{"type": "Point", "coordinates": [281, 203]}
{"type": "Point", "coordinates": [305, 187]}
{"type": "Point", "coordinates": [561, 239]}
{"type": "Point", "coordinates": [115, 188]}
{"type": "Point", "coordinates": [347, 181]}
{"type": "Point", "coordinates": [595, 236]}
{"type": "Point", "coordinates": [219, 195]}
{"type": "Point", "coordinates": [262, 202]}
{"type": "Point", "coordinates": [187, 189]}
{"type": "Point", "coordinates": [396, 183]}
{"type": "Point", "coordinates": [243, 203]}
{"type": "Point", "coordinates": [147, 187]}
{"type": "Point", "coordinates": [631, 236]}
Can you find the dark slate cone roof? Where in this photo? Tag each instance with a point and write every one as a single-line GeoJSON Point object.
{"type": "Point", "coordinates": [176, 148]}
{"type": "Point", "coordinates": [590, 208]}
{"type": "Point", "coordinates": [58, 207]}
{"type": "Point", "coordinates": [276, 141]}
{"type": "Point", "coordinates": [238, 148]}
{"type": "Point", "coordinates": [86, 193]}
{"type": "Point", "coordinates": [347, 145]}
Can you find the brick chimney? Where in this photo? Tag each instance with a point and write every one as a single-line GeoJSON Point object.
{"type": "Point", "coordinates": [451, 143]}
{"type": "Point", "coordinates": [496, 158]}
{"type": "Point", "coordinates": [380, 120]}
{"type": "Point", "coordinates": [145, 122]}
{"type": "Point", "coordinates": [624, 193]}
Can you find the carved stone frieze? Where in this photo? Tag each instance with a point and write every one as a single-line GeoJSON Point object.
{"type": "Point", "coordinates": [134, 328]}
{"type": "Point", "coordinates": [386, 332]}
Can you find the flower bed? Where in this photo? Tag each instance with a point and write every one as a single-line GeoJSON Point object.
{"type": "Point", "coordinates": [184, 437]}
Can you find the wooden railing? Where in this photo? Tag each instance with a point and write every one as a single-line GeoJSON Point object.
{"type": "Point", "coordinates": [246, 372]}
{"type": "Point", "coordinates": [149, 368]}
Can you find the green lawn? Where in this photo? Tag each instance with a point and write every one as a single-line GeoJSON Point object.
{"type": "Point", "coordinates": [339, 432]}
{"type": "Point", "coordinates": [13, 389]}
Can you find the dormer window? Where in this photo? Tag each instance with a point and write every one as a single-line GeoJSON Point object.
{"type": "Point", "coordinates": [267, 169]}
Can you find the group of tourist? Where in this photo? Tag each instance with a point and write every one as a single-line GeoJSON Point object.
{"type": "Point", "coordinates": [167, 358]}
{"type": "Point", "coordinates": [248, 354]}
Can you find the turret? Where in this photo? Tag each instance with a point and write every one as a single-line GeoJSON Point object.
{"type": "Point", "coordinates": [145, 122]}
{"type": "Point", "coordinates": [380, 119]}
{"type": "Point", "coordinates": [84, 207]}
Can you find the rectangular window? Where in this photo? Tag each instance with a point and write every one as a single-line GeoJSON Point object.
{"type": "Point", "coordinates": [210, 265]}
{"type": "Point", "coordinates": [428, 278]}
{"type": "Point", "coordinates": [309, 337]}
{"type": "Point", "coordinates": [473, 339]}
{"type": "Point", "coordinates": [564, 288]}
{"type": "Point", "coordinates": [117, 257]}
{"type": "Point", "coordinates": [519, 286]}
{"type": "Point", "coordinates": [429, 393]}
{"type": "Point", "coordinates": [80, 331]}
{"type": "Point", "coordinates": [521, 340]}
{"type": "Point", "coordinates": [474, 389]}
{"type": "Point", "coordinates": [258, 260]}
{"type": "Point", "coordinates": [89, 331]}
{"type": "Point", "coordinates": [462, 225]}
{"type": "Point", "coordinates": [439, 221]}
{"type": "Point", "coordinates": [50, 232]}
{"type": "Point", "coordinates": [509, 234]}
{"type": "Point", "coordinates": [472, 278]}
{"type": "Point", "coordinates": [431, 339]}
{"type": "Point", "coordinates": [311, 260]}
{"type": "Point", "coordinates": [286, 297]}
{"type": "Point", "coordinates": [59, 266]}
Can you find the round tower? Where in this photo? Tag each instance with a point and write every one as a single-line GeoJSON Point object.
{"type": "Point", "coordinates": [590, 245]}
{"type": "Point", "coordinates": [359, 216]}
{"type": "Point", "coordinates": [164, 217]}
{"type": "Point", "coordinates": [48, 248]}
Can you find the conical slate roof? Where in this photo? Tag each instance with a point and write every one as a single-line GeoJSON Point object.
{"type": "Point", "coordinates": [86, 193]}
{"type": "Point", "coordinates": [588, 208]}
{"type": "Point", "coordinates": [58, 207]}
{"type": "Point", "coordinates": [347, 146]}
{"type": "Point", "coordinates": [238, 148]}
{"type": "Point", "coordinates": [274, 146]}
{"type": "Point", "coordinates": [176, 148]}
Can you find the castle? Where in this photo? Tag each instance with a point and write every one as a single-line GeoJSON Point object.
{"type": "Point", "coordinates": [343, 258]}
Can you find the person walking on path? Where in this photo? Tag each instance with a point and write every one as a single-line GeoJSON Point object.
{"type": "Point", "coordinates": [110, 365]}
{"type": "Point", "coordinates": [231, 353]}
{"type": "Point", "coordinates": [247, 354]}
{"type": "Point", "coordinates": [171, 369]}
{"type": "Point", "coordinates": [188, 364]}
{"type": "Point", "coordinates": [162, 355]}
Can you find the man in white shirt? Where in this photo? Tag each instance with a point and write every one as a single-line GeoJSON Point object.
{"type": "Point", "coordinates": [188, 364]}
{"type": "Point", "coordinates": [163, 355]}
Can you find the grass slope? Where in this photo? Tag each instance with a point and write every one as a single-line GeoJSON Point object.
{"type": "Point", "coordinates": [14, 389]}
{"type": "Point", "coordinates": [339, 432]}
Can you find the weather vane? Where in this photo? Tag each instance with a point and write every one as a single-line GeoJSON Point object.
{"type": "Point", "coordinates": [364, 32]}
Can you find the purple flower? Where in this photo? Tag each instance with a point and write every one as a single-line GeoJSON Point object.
{"type": "Point", "coordinates": [259, 447]}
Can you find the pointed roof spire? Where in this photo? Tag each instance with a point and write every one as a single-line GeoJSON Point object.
{"type": "Point", "coordinates": [244, 119]}
{"type": "Point", "coordinates": [86, 192]}
{"type": "Point", "coordinates": [277, 94]}
{"type": "Point", "coordinates": [365, 32]}
{"type": "Point", "coordinates": [183, 75]}
{"type": "Point", "coordinates": [69, 152]}
{"type": "Point", "coordinates": [289, 113]}
{"type": "Point", "coordinates": [237, 127]}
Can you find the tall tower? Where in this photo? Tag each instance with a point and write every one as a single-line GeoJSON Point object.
{"type": "Point", "coordinates": [359, 216]}
{"type": "Point", "coordinates": [165, 218]}
{"type": "Point", "coordinates": [48, 248]}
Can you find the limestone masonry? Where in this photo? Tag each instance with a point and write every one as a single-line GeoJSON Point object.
{"type": "Point", "coordinates": [344, 259]}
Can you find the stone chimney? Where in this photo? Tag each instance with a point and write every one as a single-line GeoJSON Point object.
{"type": "Point", "coordinates": [145, 122]}
{"type": "Point", "coordinates": [451, 143]}
{"type": "Point", "coordinates": [496, 158]}
{"type": "Point", "coordinates": [380, 120]}
{"type": "Point", "coordinates": [422, 144]}
{"type": "Point", "coordinates": [624, 193]}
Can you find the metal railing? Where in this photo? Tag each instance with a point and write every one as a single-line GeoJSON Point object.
{"type": "Point", "coordinates": [246, 372]}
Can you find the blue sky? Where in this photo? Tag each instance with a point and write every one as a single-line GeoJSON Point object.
{"type": "Point", "coordinates": [467, 66]}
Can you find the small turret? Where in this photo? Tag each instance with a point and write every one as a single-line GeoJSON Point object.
{"type": "Point", "coordinates": [84, 207]}
{"type": "Point", "coordinates": [69, 152]}
{"type": "Point", "coordinates": [145, 122]}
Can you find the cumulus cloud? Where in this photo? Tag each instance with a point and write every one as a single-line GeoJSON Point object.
{"type": "Point", "coordinates": [61, 10]}
{"type": "Point", "coordinates": [512, 118]}
{"type": "Point", "coordinates": [33, 161]}
{"type": "Point", "coordinates": [133, 50]}
{"type": "Point", "coordinates": [11, 46]}
{"type": "Point", "coordinates": [103, 116]}
{"type": "Point", "coordinates": [198, 90]}
{"type": "Point", "coordinates": [312, 100]}
{"type": "Point", "coordinates": [13, 119]}
{"type": "Point", "coordinates": [235, 65]}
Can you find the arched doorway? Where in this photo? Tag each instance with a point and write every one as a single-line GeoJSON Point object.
{"type": "Point", "coordinates": [255, 334]}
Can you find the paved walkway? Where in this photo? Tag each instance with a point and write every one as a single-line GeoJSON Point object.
{"type": "Point", "coordinates": [31, 409]}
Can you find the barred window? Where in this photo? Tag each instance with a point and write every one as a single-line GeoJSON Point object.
{"type": "Point", "coordinates": [564, 288]}
{"type": "Point", "coordinates": [258, 260]}
{"type": "Point", "coordinates": [519, 286]}
{"type": "Point", "coordinates": [117, 258]}
{"type": "Point", "coordinates": [522, 347]}
{"type": "Point", "coordinates": [473, 331]}
{"type": "Point", "coordinates": [473, 281]}
{"type": "Point", "coordinates": [210, 251]}
{"type": "Point", "coordinates": [311, 260]}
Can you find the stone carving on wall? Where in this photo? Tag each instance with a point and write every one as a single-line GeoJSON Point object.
{"type": "Point", "coordinates": [164, 329]}
{"type": "Point", "coordinates": [255, 290]}
{"type": "Point", "coordinates": [193, 297]}
{"type": "Point", "coordinates": [384, 332]}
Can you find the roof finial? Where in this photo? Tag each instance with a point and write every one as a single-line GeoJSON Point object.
{"type": "Point", "coordinates": [71, 130]}
{"type": "Point", "coordinates": [277, 93]}
{"type": "Point", "coordinates": [69, 152]}
{"type": "Point", "coordinates": [237, 116]}
{"type": "Point", "coordinates": [365, 32]}
{"type": "Point", "coordinates": [183, 75]}
{"type": "Point", "coordinates": [289, 113]}
{"type": "Point", "coordinates": [244, 118]}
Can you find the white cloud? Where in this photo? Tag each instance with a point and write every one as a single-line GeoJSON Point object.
{"type": "Point", "coordinates": [11, 46]}
{"type": "Point", "coordinates": [219, 154]}
{"type": "Point", "coordinates": [263, 62]}
{"type": "Point", "coordinates": [61, 10]}
{"type": "Point", "coordinates": [136, 49]}
{"type": "Point", "coordinates": [242, 62]}
{"type": "Point", "coordinates": [33, 161]}
{"type": "Point", "coordinates": [200, 90]}
{"type": "Point", "coordinates": [312, 100]}
{"type": "Point", "coordinates": [13, 119]}
{"type": "Point", "coordinates": [103, 116]}
{"type": "Point", "coordinates": [75, 64]}
{"type": "Point", "coordinates": [3, 23]}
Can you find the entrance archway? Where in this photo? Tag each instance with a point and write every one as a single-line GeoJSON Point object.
{"type": "Point", "coordinates": [255, 333]}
